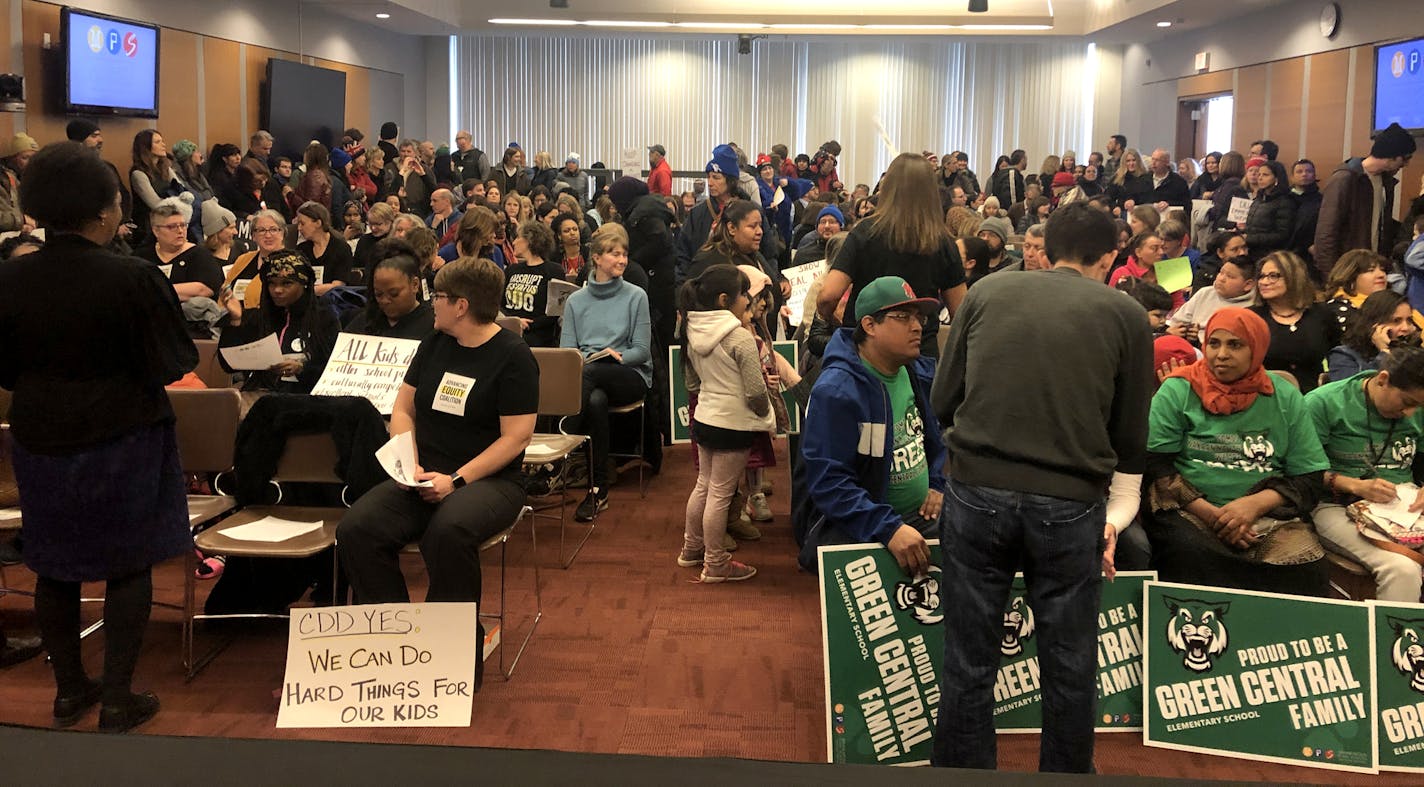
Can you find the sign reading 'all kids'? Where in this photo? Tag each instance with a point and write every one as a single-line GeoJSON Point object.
{"type": "Point", "coordinates": [884, 646]}
{"type": "Point", "coordinates": [1260, 676]}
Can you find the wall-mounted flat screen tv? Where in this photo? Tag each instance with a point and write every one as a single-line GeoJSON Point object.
{"type": "Point", "coordinates": [110, 65]}
{"type": "Point", "coordinates": [1399, 86]}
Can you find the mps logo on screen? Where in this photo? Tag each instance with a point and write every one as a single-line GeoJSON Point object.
{"type": "Point", "coordinates": [113, 41]}
{"type": "Point", "coordinates": [1404, 61]}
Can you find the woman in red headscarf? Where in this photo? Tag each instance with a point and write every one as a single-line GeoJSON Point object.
{"type": "Point", "coordinates": [1234, 466]}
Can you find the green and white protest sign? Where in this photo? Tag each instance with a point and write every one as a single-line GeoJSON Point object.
{"type": "Point", "coordinates": [883, 644]}
{"type": "Point", "coordinates": [1018, 703]}
{"type": "Point", "coordinates": [1399, 685]}
{"type": "Point", "coordinates": [883, 641]}
{"type": "Point", "coordinates": [681, 413]}
{"type": "Point", "coordinates": [1261, 676]}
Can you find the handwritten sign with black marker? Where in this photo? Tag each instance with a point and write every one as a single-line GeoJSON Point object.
{"type": "Point", "coordinates": [372, 367]}
{"type": "Point", "coordinates": [380, 665]}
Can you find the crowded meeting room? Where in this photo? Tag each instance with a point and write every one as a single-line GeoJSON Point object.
{"type": "Point", "coordinates": [636, 394]}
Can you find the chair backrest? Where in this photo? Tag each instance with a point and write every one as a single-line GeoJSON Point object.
{"type": "Point", "coordinates": [512, 324]}
{"type": "Point", "coordinates": [4, 406]}
{"type": "Point", "coordinates": [309, 458]}
{"type": "Point", "coordinates": [560, 380]}
{"type": "Point", "coordinates": [1287, 376]}
{"type": "Point", "coordinates": [207, 427]}
{"type": "Point", "coordinates": [209, 369]}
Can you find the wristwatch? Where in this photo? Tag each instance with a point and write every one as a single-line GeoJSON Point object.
{"type": "Point", "coordinates": [457, 481]}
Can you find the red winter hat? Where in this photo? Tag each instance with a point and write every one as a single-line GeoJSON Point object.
{"type": "Point", "coordinates": [763, 160]}
{"type": "Point", "coordinates": [1064, 179]}
{"type": "Point", "coordinates": [1255, 162]}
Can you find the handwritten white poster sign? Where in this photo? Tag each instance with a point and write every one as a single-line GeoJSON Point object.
{"type": "Point", "coordinates": [380, 665]}
{"type": "Point", "coordinates": [369, 366]}
{"type": "Point", "coordinates": [1240, 209]}
{"type": "Point", "coordinates": [801, 278]}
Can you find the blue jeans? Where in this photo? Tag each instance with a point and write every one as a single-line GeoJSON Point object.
{"type": "Point", "coordinates": [986, 535]}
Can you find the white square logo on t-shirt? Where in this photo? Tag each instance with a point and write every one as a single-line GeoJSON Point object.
{"type": "Point", "coordinates": [451, 395]}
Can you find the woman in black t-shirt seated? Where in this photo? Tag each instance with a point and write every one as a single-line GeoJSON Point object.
{"type": "Point", "coordinates": [323, 248]}
{"type": "Point", "coordinates": [190, 267]}
{"type": "Point", "coordinates": [526, 284]}
{"type": "Point", "coordinates": [305, 330]}
{"type": "Point", "coordinates": [394, 309]}
{"type": "Point", "coordinates": [467, 399]}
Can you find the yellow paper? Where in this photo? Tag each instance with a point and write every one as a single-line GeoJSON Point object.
{"type": "Point", "coordinates": [1174, 274]}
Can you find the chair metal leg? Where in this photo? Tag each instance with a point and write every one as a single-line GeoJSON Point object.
{"type": "Point", "coordinates": [508, 672]}
{"type": "Point", "coordinates": [642, 463]}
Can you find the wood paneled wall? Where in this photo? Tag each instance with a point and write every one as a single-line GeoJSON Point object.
{"type": "Point", "coordinates": [231, 77]}
{"type": "Point", "coordinates": [1309, 105]}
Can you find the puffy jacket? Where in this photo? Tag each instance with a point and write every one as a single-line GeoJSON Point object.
{"type": "Point", "coordinates": [577, 183]}
{"type": "Point", "coordinates": [1269, 224]}
{"type": "Point", "coordinates": [845, 474]}
{"type": "Point", "coordinates": [517, 183]}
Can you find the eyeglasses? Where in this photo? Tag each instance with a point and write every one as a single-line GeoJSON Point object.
{"type": "Point", "coordinates": [174, 227]}
{"type": "Point", "coordinates": [908, 317]}
{"type": "Point", "coordinates": [1270, 277]}
{"type": "Point", "coordinates": [266, 230]}
{"type": "Point", "coordinates": [447, 296]}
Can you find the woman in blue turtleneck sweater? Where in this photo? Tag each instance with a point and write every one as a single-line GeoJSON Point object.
{"type": "Point", "coordinates": [608, 314]}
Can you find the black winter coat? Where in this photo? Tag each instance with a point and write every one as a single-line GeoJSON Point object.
{"type": "Point", "coordinates": [650, 244]}
{"type": "Point", "coordinates": [1269, 224]}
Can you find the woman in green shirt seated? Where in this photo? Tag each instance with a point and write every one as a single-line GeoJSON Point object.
{"type": "Point", "coordinates": [1370, 425]}
{"type": "Point", "coordinates": [1233, 467]}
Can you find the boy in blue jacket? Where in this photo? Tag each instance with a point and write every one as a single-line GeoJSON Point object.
{"type": "Point", "coordinates": [873, 455]}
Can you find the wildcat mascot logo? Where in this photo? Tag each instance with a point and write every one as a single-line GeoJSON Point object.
{"type": "Point", "coordinates": [1408, 652]}
{"type": "Point", "coordinates": [1195, 630]}
{"type": "Point", "coordinates": [1018, 626]}
{"type": "Point", "coordinates": [921, 597]}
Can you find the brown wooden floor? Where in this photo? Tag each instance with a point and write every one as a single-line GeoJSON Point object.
{"type": "Point", "coordinates": [631, 657]}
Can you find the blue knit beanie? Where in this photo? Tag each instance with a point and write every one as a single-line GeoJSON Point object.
{"type": "Point", "coordinates": [831, 210]}
{"type": "Point", "coordinates": [724, 160]}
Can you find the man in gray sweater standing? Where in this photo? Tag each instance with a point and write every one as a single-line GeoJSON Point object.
{"type": "Point", "coordinates": [1043, 391]}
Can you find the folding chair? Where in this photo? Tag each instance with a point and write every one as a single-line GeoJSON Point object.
{"type": "Point", "coordinates": [9, 517]}
{"type": "Point", "coordinates": [207, 434]}
{"type": "Point", "coordinates": [560, 394]}
{"type": "Point", "coordinates": [209, 369]}
{"type": "Point", "coordinates": [1348, 579]}
{"type": "Point", "coordinates": [635, 407]}
{"type": "Point", "coordinates": [309, 458]}
{"type": "Point", "coordinates": [501, 540]}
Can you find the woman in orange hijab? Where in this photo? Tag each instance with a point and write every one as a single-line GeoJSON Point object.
{"type": "Point", "coordinates": [1235, 464]}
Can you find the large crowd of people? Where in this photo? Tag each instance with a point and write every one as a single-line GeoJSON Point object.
{"type": "Point", "coordinates": [976, 348]}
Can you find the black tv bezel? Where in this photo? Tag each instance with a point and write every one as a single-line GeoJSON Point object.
{"type": "Point", "coordinates": [1374, 85]}
{"type": "Point", "coordinates": [70, 108]}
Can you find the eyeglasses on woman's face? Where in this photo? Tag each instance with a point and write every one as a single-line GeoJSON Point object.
{"type": "Point", "coordinates": [175, 226]}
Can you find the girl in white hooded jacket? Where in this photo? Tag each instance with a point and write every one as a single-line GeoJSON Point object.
{"type": "Point", "coordinates": [722, 366]}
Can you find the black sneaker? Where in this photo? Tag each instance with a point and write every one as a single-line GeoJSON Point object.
{"type": "Point", "coordinates": [596, 501]}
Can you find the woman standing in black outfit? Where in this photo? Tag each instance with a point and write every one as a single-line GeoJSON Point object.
{"type": "Point", "coordinates": [1302, 331]}
{"type": "Point", "coordinates": [96, 454]}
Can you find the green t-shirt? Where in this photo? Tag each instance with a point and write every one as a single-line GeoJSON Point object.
{"type": "Point", "coordinates": [1347, 429]}
{"type": "Point", "coordinates": [909, 471]}
{"type": "Point", "coordinates": [1223, 456]}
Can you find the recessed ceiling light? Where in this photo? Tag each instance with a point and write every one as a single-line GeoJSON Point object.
{"type": "Point", "coordinates": [1164, 24]}
{"type": "Point", "coordinates": [383, 15]}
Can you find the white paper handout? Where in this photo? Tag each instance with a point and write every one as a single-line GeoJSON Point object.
{"type": "Point", "coordinates": [1240, 209]}
{"type": "Point", "coordinates": [255, 356]}
{"type": "Point", "coordinates": [397, 457]}
{"type": "Point", "coordinates": [559, 292]}
{"type": "Point", "coordinates": [1397, 511]}
{"type": "Point", "coordinates": [271, 530]}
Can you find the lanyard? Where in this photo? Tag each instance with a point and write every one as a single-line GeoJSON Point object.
{"type": "Point", "coordinates": [1375, 456]}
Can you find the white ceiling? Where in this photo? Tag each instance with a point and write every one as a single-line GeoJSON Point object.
{"type": "Point", "coordinates": [1110, 21]}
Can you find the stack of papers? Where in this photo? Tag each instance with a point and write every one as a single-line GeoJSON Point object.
{"type": "Point", "coordinates": [1398, 511]}
{"type": "Point", "coordinates": [270, 530]}
{"type": "Point", "coordinates": [397, 456]}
